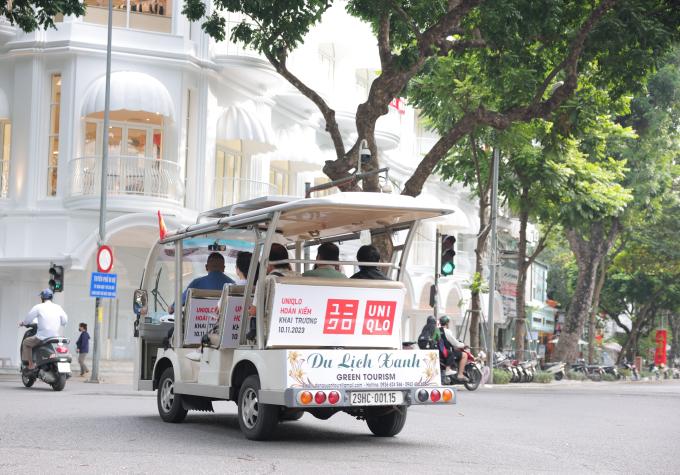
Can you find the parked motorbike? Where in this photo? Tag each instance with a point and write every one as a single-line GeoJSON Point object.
{"type": "Point", "coordinates": [473, 371]}
{"type": "Point", "coordinates": [612, 370]}
{"type": "Point", "coordinates": [529, 369]}
{"type": "Point", "coordinates": [557, 369]}
{"type": "Point", "coordinates": [593, 372]}
{"type": "Point", "coordinates": [52, 361]}
{"type": "Point", "coordinates": [635, 375]}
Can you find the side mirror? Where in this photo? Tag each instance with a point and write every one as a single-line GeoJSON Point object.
{"type": "Point", "coordinates": [139, 301]}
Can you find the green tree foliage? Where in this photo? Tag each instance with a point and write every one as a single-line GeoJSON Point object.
{"type": "Point", "coordinates": [528, 53]}
{"type": "Point", "coordinates": [30, 15]}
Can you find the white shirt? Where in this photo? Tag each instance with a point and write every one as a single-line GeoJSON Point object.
{"type": "Point", "coordinates": [452, 339]}
{"type": "Point", "coordinates": [51, 317]}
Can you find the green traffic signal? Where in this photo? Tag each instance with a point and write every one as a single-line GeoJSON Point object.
{"type": "Point", "coordinates": [448, 268]}
{"type": "Point", "coordinates": [56, 282]}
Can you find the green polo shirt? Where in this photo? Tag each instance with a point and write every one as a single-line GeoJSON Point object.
{"type": "Point", "coordinates": [325, 272]}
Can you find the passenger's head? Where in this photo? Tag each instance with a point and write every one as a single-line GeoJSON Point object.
{"type": "Point", "coordinates": [215, 262]}
{"type": "Point", "coordinates": [82, 326]}
{"type": "Point", "coordinates": [444, 321]}
{"type": "Point", "coordinates": [328, 252]}
{"type": "Point", "coordinates": [243, 263]}
{"type": "Point", "coordinates": [278, 252]}
{"type": "Point", "coordinates": [368, 253]}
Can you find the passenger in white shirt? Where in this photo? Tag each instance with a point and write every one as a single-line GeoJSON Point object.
{"type": "Point", "coordinates": [456, 354]}
{"type": "Point", "coordinates": [51, 317]}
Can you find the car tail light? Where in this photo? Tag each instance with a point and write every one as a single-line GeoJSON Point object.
{"type": "Point", "coordinates": [306, 397]}
{"type": "Point", "coordinates": [62, 349]}
{"type": "Point", "coordinates": [333, 397]}
{"type": "Point", "coordinates": [435, 395]}
{"type": "Point", "coordinates": [447, 395]}
{"type": "Point", "coordinates": [320, 397]}
{"type": "Point", "coordinates": [423, 395]}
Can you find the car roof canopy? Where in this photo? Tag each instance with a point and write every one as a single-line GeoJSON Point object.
{"type": "Point", "coordinates": [317, 218]}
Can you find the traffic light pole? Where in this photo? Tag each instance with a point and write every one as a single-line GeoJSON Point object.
{"type": "Point", "coordinates": [98, 309]}
{"type": "Point", "coordinates": [492, 262]}
{"type": "Point", "coordinates": [437, 264]}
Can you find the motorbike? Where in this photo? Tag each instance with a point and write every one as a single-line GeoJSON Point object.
{"type": "Point", "coordinates": [473, 371]}
{"type": "Point", "coordinates": [52, 361]}
{"type": "Point", "coordinates": [613, 371]}
{"type": "Point", "coordinates": [528, 368]}
{"type": "Point", "coordinates": [635, 376]}
{"type": "Point", "coordinates": [592, 372]}
{"type": "Point", "coordinates": [557, 369]}
{"type": "Point", "coordinates": [504, 363]}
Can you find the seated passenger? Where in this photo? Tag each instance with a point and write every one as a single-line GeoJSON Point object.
{"type": "Point", "coordinates": [369, 253]}
{"type": "Point", "coordinates": [242, 266]}
{"type": "Point", "coordinates": [326, 252]}
{"type": "Point", "coordinates": [278, 252]}
{"type": "Point", "coordinates": [215, 279]}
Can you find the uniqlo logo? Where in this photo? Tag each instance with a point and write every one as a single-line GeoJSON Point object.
{"type": "Point", "coordinates": [341, 316]}
{"type": "Point", "coordinates": [379, 317]}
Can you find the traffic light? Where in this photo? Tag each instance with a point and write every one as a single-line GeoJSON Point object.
{"type": "Point", "coordinates": [448, 254]}
{"type": "Point", "coordinates": [56, 278]}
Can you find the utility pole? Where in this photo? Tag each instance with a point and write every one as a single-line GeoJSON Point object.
{"type": "Point", "coordinates": [493, 247]}
{"type": "Point", "coordinates": [98, 309]}
{"type": "Point", "coordinates": [437, 266]}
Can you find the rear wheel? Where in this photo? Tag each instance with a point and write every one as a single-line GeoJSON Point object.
{"type": "Point", "coordinates": [169, 404]}
{"type": "Point", "coordinates": [27, 380]}
{"type": "Point", "coordinates": [60, 383]}
{"type": "Point", "coordinates": [257, 421]}
{"type": "Point", "coordinates": [475, 377]}
{"type": "Point", "coordinates": [386, 421]}
{"type": "Point", "coordinates": [559, 376]}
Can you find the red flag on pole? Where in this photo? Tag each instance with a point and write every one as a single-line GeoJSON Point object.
{"type": "Point", "coordinates": [162, 230]}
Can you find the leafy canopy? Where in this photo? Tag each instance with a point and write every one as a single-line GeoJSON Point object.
{"type": "Point", "coordinates": [30, 15]}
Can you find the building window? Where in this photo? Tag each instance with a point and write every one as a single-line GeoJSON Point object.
{"type": "Point", "coordinates": [131, 134]}
{"type": "Point", "coordinates": [538, 287]}
{"type": "Point", "coordinates": [53, 147]}
{"type": "Point", "coordinates": [150, 15]}
{"type": "Point", "coordinates": [228, 159]}
{"type": "Point", "coordinates": [5, 141]}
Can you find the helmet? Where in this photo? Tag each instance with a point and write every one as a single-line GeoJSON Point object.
{"type": "Point", "coordinates": [444, 320]}
{"type": "Point", "coordinates": [431, 320]}
{"type": "Point", "coordinates": [46, 294]}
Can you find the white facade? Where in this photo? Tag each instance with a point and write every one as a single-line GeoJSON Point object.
{"type": "Point", "coordinates": [194, 126]}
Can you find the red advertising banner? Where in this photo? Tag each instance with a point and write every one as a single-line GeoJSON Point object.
{"type": "Point", "coordinates": [660, 354]}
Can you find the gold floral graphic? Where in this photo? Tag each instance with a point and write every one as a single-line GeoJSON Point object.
{"type": "Point", "coordinates": [295, 371]}
{"type": "Point", "coordinates": [431, 370]}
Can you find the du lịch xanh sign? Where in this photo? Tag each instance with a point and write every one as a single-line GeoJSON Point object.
{"type": "Point", "coordinates": [103, 285]}
{"type": "Point", "coordinates": [306, 315]}
{"type": "Point", "coordinates": [362, 369]}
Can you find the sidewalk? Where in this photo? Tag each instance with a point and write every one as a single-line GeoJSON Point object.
{"type": "Point", "coordinates": [110, 372]}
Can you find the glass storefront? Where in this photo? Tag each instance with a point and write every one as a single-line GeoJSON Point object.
{"type": "Point", "coordinates": [131, 134]}
{"type": "Point", "coordinates": [150, 15]}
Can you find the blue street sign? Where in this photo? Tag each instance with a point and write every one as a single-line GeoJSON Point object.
{"type": "Point", "coordinates": [103, 285]}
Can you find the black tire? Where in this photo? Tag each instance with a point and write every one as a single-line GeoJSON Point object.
{"type": "Point", "coordinates": [60, 383]}
{"type": "Point", "coordinates": [257, 421]}
{"type": "Point", "coordinates": [559, 376]}
{"type": "Point", "coordinates": [386, 421]}
{"type": "Point", "coordinates": [169, 404]}
{"type": "Point", "coordinates": [475, 377]}
{"type": "Point", "coordinates": [27, 380]}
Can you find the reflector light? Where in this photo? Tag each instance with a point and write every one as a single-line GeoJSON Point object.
{"type": "Point", "coordinates": [320, 397]}
{"type": "Point", "coordinates": [306, 397]}
{"type": "Point", "coordinates": [333, 397]}
{"type": "Point", "coordinates": [423, 395]}
{"type": "Point", "coordinates": [435, 395]}
{"type": "Point", "coordinates": [62, 349]}
{"type": "Point", "coordinates": [447, 395]}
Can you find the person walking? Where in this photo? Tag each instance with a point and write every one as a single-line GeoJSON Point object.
{"type": "Point", "coordinates": [83, 347]}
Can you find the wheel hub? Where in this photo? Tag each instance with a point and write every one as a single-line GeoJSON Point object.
{"type": "Point", "coordinates": [249, 408]}
{"type": "Point", "coordinates": [167, 395]}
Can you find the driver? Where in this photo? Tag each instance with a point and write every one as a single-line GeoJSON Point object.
{"type": "Point", "coordinates": [456, 353]}
{"type": "Point", "coordinates": [51, 317]}
{"type": "Point", "coordinates": [215, 279]}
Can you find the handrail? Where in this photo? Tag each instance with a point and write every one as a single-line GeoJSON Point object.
{"type": "Point", "coordinates": [127, 175]}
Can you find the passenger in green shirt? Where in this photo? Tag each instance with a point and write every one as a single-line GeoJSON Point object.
{"type": "Point", "coordinates": [326, 252]}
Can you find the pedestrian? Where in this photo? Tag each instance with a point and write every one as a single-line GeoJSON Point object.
{"type": "Point", "coordinates": [83, 347]}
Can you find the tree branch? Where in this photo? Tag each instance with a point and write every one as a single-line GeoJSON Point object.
{"type": "Point", "coordinates": [542, 242]}
{"type": "Point", "coordinates": [407, 19]}
{"type": "Point", "coordinates": [384, 49]}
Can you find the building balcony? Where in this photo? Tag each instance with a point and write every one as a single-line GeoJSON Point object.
{"type": "Point", "coordinates": [132, 182]}
{"type": "Point", "coordinates": [230, 190]}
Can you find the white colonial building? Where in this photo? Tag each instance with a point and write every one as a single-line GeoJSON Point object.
{"type": "Point", "coordinates": [194, 125]}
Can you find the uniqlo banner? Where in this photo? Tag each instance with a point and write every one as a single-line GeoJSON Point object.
{"type": "Point", "coordinates": [202, 317]}
{"type": "Point", "coordinates": [231, 330]}
{"type": "Point", "coordinates": [304, 315]}
{"type": "Point", "coordinates": [660, 353]}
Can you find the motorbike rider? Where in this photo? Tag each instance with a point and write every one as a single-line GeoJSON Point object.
{"type": "Point", "coordinates": [51, 317]}
{"type": "Point", "coordinates": [454, 350]}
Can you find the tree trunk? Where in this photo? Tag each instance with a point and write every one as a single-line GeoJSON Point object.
{"type": "Point", "coordinates": [674, 322]}
{"type": "Point", "coordinates": [480, 248]}
{"type": "Point", "coordinates": [522, 268]}
{"type": "Point", "coordinates": [601, 277]}
{"type": "Point", "coordinates": [588, 252]}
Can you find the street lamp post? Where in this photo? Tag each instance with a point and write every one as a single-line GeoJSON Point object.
{"type": "Point", "coordinates": [493, 245]}
{"type": "Point", "coordinates": [98, 309]}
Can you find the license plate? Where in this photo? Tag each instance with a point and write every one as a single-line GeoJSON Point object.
{"type": "Point", "coordinates": [376, 398]}
{"type": "Point", "coordinates": [64, 367]}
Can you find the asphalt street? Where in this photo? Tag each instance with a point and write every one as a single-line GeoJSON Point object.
{"type": "Point", "coordinates": [559, 428]}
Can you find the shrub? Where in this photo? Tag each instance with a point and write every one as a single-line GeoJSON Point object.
{"type": "Point", "coordinates": [609, 377]}
{"type": "Point", "coordinates": [543, 377]}
{"type": "Point", "coordinates": [576, 375]}
{"type": "Point", "coordinates": [500, 376]}
{"type": "Point", "coordinates": [626, 373]}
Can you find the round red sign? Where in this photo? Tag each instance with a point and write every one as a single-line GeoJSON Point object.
{"type": "Point", "coordinates": [104, 259]}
